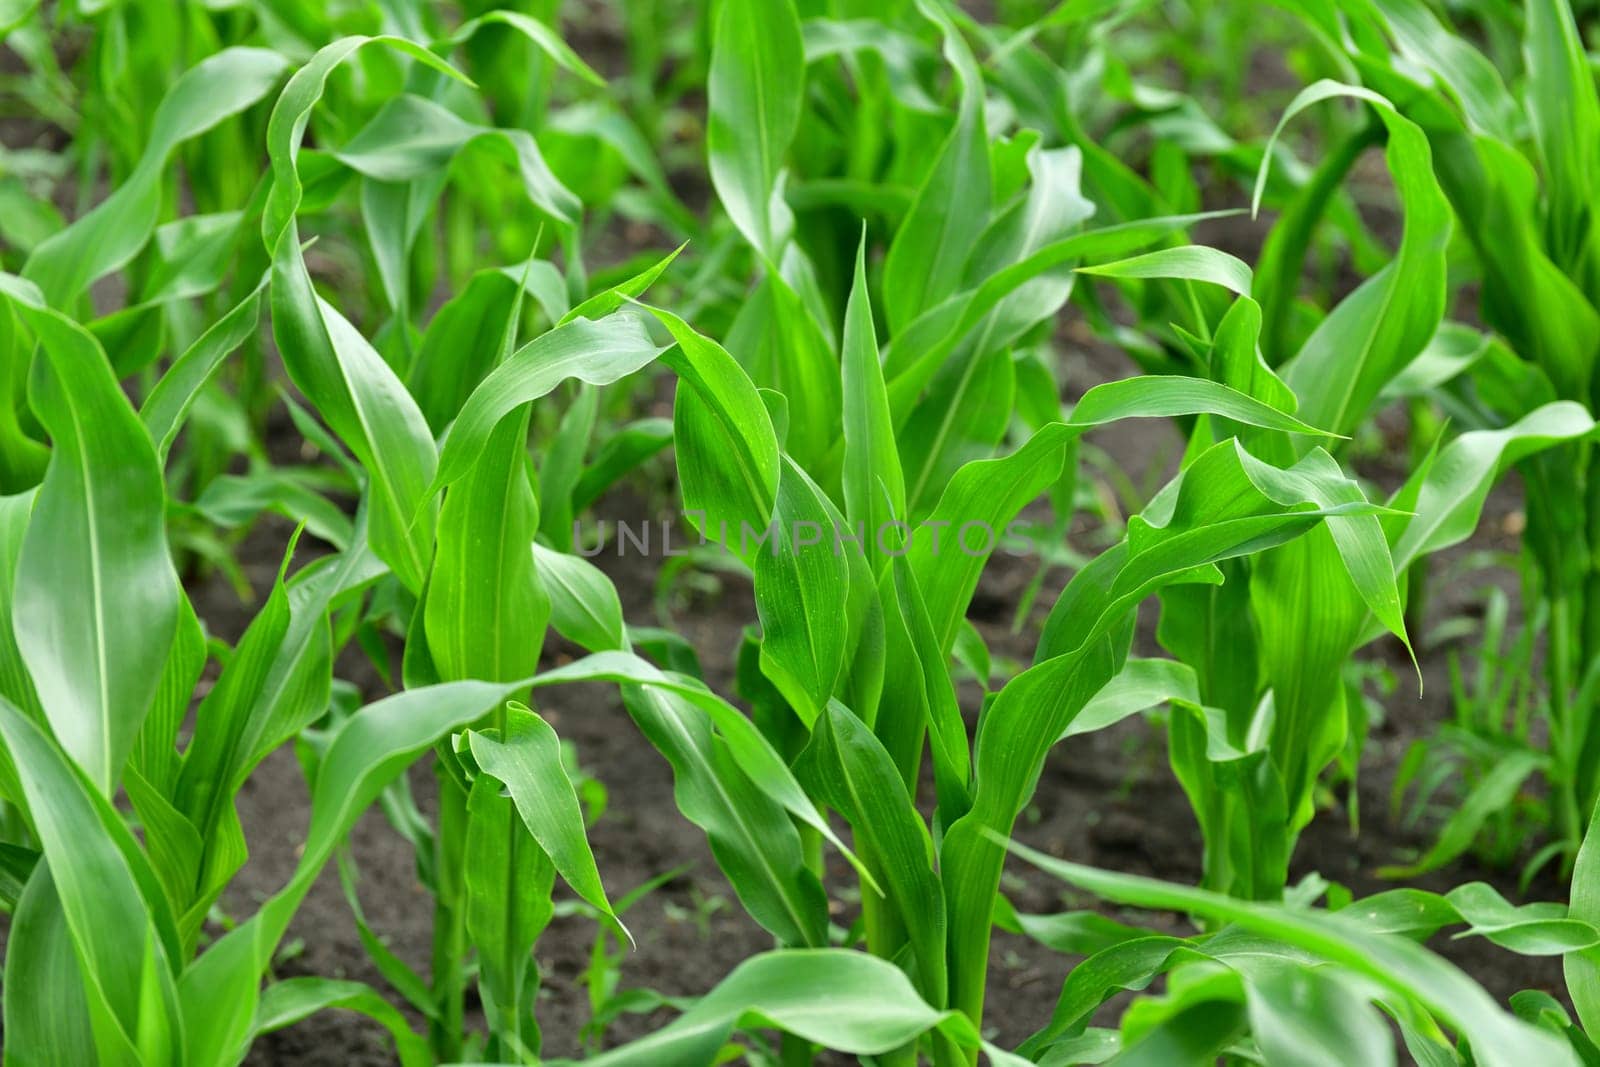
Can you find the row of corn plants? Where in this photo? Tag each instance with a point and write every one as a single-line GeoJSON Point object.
{"type": "Point", "coordinates": [377, 224]}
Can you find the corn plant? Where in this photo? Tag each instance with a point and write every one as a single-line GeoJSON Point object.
{"type": "Point", "coordinates": [1511, 153]}
{"type": "Point", "coordinates": [277, 681]}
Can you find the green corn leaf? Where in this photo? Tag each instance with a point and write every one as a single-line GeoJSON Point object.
{"type": "Point", "coordinates": [965, 414]}
{"type": "Point", "coordinates": [542, 35]}
{"type": "Point", "coordinates": [1199, 1016]}
{"type": "Point", "coordinates": [751, 835]}
{"type": "Point", "coordinates": [838, 999]}
{"type": "Point", "coordinates": [463, 340]}
{"type": "Point", "coordinates": [203, 794]}
{"type": "Point", "coordinates": [1539, 929]}
{"type": "Point", "coordinates": [563, 465]}
{"type": "Point", "coordinates": [233, 501]}
{"type": "Point", "coordinates": [605, 302]}
{"type": "Point", "coordinates": [413, 138]}
{"type": "Point", "coordinates": [597, 352]}
{"type": "Point", "coordinates": [155, 752]}
{"type": "Point", "coordinates": [393, 214]}
{"type": "Point", "coordinates": [584, 607]}
{"type": "Point", "coordinates": [1050, 211]}
{"type": "Point", "coordinates": [988, 494]}
{"type": "Point", "coordinates": [1197, 263]}
{"type": "Point", "coordinates": [1209, 515]}
{"type": "Point", "coordinates": [396, 972]}
{"type": "Point", "coordinates": [64, 265]}
{"type": "Point", "coordinates": [290, 115]}
{"type": "Point", "coordinates": [1564, 109]}
{"type": "Point", "coordinates": [1448, 497]}
{"type": "Point", "coordinates": [15, 684]}
{"type": "Point", "coordinates": [1393, 963]}
{"type": "Point", "coordinates": [621, 453]}
{"type": "Point", "coordinates": [848, 769]}
{"type": "Point", "coordinates": [927, 701]}
{"type": "Point", "coordinates": [173, 844]}
{"type": "Point", "coordinates": [507, 903]}
{"type": "Point", "coordinates": [1238, 799]}
{"type": "Point", "coordinates": [755, 87]}
{"type": "Point", "coordinates": [969, 402]}
{"type": "Point", "coordinates": [782, 346]}
{"type": "Point", "coordinates": [167, 405]}
{"type": "Point", "coordinates": [22, 457]}
{"type": "Point", "coordinates": [124, 938]}
{"type": "Point", "coordinates": [727, 450]}
{"type": "Point", "coordinates": [367, 406]}
{"type": "Point", "coordinates": [293, 999]}
{"type": "Point", "coordinates": [352, 387]}
{"type": "Point", "coordinates": [1140, 685]}
{"type": "Point", "coordinates": [276, 684]}
{"type": "Point", "coordinates": [1129, 964]}
{"type": "Point", "coordinates": [802, 581]}
{"type": "Point", "coordinates": [933, 242]}
{"type": "Point", "coordinates": [1374, 333]}
{"type": "Point", "coordinates": [920, 348]}
{"type": "Point", "coordinates": [95, 552]}
{"type": "Point", "coordinates": [526, 758]}
{"type": "Point", "coordinates": [40, 954]}
{"type": "Point", "coordinates": [485, 610]}
{"type": "Point", "coordinates": [1470, 76]}
{"type": "Point", "coordinates": [1453, 351]}
{"type": "Point", "coordinates": [746, 745]}
{"type": "Point", "coordinates": [901, 53]}
{"type": "Point", "coordinates": [1312, 1014]}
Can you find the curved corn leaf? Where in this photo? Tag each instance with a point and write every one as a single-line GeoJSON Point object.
{"type": "Point", "coordinates": [1391, 962]}
{"type": "Point", "coordinates": [988, 494]}
{"type": "Point", "coordinates": [920, 349]}
{"type": "Point", "coordinates": [1375, 332]}
{"type": "Point", "coordinates": [748, 747]}
{"type": "Point", "coordinates": [726, 449]}
{"type": "Point", "coordinates": [751, 835]}
{"type": "Point", "coordinates": [526, 758]}
{"type": "Point", "coordinates": [1198, 263]}
{"type": "Point", "coordinates": [123, 935]}
{"type": "Point", "coordinates": [1140, 685]}
{"type": "Point", "coordinates": [584, 607]}
{"type": "Point", "coordinates": [542, 35]}
{"type": "Point", "coordinates": [94, 555]}
{"type": "Point", "coordinates": [167, 405]}
{"type": "Point", "coordinates": [1447, 496]}
{"type": "Point", "coordinates": [64, 265]}
{"type": "Point", "coordinates": [287, 1002]}
{"type": "Point", "coordinates": [594, 351]}
{"type": "Point", "coordinates": [839, 999]}
{"type": "Point", "coordinates": [413, 138]}
{"type": "Point", "coordinates": [352, 387]}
